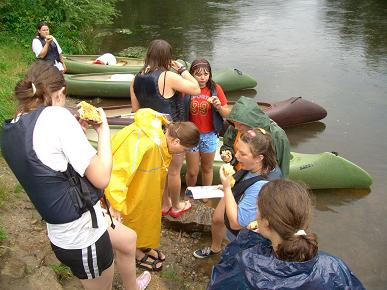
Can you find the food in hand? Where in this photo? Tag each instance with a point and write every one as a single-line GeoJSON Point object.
{"type": "Point", "coordinates": [211, 100]}
{"type": "Point", "coordinates": [253, 225]}
{"type": "Point", "coordinates": [89, 113]}
{"type": "Point", "coordinates": [49, 37]}
{"type": "Point", "coordinates": [229, 171]}
{"type": "Point", "coordinates": [226, 154]}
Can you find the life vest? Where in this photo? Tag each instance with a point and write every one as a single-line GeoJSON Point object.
{"type": "Point", "coordinates": [59, 197]}
{"type": "Point", "coordinates": [217, 119]}
{"type": "Point", "coordinates": [52, 52]}
{"type": "Point", "coordinates": [146, 88]}
{"type": "Point", "coordinates": [238, 191]}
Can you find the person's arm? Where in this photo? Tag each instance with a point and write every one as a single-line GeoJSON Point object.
{"type": "Point", "coordinates": [228, 141]}
{"type": "Point", "coordinates": [63, 62]}
{"type": "Point", "coordinates": [44, 50]}
{"type": "Point", "coordinates": [220, 103]}
{"type": "Point", "coordinates": [99, 170]}
{"type": "Point", "coordinates": [133, 99]}
{"type": "Point", "coordinates": [184, 83]}
{"type": "Point", "coordinates": [229, 201]}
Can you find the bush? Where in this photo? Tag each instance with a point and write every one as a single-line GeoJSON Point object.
{"type": "Point", "coordinates": [73, 22]}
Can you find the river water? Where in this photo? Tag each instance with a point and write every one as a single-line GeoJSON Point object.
{"type": "Point", "coordinates": [331, 52]}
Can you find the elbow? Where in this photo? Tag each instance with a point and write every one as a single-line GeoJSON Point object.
{"type": "Point", "coordinates": [234, 225]}
{"type": "Point", "coordinates": [102, 182]}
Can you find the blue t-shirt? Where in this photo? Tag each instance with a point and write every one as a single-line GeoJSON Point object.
{"type": "Point", "coordinates": [247, 207]}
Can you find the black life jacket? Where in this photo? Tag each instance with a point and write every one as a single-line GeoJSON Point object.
{"type": "Point", "coordinates": [52, 52]}
{"type": "Point", "coordinates": [59, 197]}
{"type": "Point", "coordinates": [238, 191]}
{"type": "Point", "coordinates": [217, 119]}
{"type": "Point", "coordinates": [146, 88]}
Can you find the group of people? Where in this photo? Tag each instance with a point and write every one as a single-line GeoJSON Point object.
{"type": "Point", "coordinates": [137, 176]}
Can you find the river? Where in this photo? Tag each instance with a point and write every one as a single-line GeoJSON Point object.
{"type": "Point", "coordinates": [331, 52]}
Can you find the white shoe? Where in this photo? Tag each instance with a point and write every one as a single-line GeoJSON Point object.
{"type": "Point", "coordinates": [143, 280]}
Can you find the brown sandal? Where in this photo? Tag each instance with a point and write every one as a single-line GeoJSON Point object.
{"type": "Point", "coordinates": [148, 263]}
{"type": "Point", "coordinates": [159, 254]}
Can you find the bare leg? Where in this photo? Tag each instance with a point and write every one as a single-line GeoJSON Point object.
{"type": "Point", "coordinates": [174, 181]}
{"type": "Point", "coordinates": [124, 243]}
{"type": "Point", "coordinates": [192, 160]}
{"type": "Point", "coordinates": [103, 282]}
{"type": "Point", "coordinates": [206, 162]}
{"type": "Point", "coordinates": [167, 203]}
{"type": "Point", "coordinates": [218, 229]}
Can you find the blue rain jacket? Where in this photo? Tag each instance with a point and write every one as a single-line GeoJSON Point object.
{"type": "Point", "coordinates": [249, 263]}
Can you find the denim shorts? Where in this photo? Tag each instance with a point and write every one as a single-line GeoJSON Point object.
{"type": "Point", "coordinates": [208, 143]}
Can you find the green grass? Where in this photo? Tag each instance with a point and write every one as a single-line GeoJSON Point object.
{"type": "Point", "coordinates": [15, 57]}
{"type": "Point", "coordinates": [62, 272]}
{"type": "Point", "coordinates": [4, 192]}
{"type": "Point", "coordinates": [171, 275]}
{"type": "Point", "coordinates": [3, 234]}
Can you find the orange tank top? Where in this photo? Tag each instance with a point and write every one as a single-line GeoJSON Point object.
{"type": "Point", "coordinates": [237, 166]}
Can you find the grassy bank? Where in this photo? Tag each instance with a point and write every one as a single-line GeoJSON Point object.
{"type": "Point", "coordinates": [15, 57]}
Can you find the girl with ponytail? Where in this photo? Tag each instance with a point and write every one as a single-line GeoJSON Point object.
{"type": "Point", "coordinates": [284, 253]}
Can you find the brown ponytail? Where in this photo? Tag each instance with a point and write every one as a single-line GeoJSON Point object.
{"type": "Point", "coordinates": [286, 205]}
{"type": "Point", "coordinates": [40, 81]}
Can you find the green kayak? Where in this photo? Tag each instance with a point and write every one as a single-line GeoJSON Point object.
{"type": "Point", "coordinates": [230, 79]}
{"type": "Point", "coordinates": [106, 85]}
{"type": "Point", "coordinates": [318, 171]}
{"type": "Point", "coordinates": [83, 64]}
{"type": "Point", "coordinates": [327, 170]}
{"type": "Point", "coordinates": [116, 85]}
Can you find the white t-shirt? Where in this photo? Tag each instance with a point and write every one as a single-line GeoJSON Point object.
{"type": "Point", "coordinates": [58, 139]}
{"type": "Point", "coordinates": [37, 48]}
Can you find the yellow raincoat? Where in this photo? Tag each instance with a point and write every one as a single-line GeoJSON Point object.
{"type": "Point", "coordinates": [140, 163]}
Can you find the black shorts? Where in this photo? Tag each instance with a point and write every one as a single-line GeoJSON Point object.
{"type": "Point", "coordinates": [90, 262]}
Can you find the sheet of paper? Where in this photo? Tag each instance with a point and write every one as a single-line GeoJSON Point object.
{"type": "Point", "coordinates": [199, 192]}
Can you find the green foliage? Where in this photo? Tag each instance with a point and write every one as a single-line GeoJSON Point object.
{"type": "Point", "coordinates": [134, 51]}
{"type": "Point", "coordinates": [62, 272]}
{"type": "Point", "coordinates": [72, 22]}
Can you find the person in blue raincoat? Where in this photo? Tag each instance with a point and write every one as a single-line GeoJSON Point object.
{"type": "Point", "coordinates": [284, 254]}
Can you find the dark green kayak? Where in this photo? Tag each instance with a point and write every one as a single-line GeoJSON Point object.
{"type": "Point", "coordinates": [82, 64]}
{"type": "Point", "coordinates": [107, 85]}
{"type": "Point", "coordinates": [318, 171]}
{"type": "Point", "coordinates": [116, 85]}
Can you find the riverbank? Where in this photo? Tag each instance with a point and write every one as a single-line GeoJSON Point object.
{"type": "Point", "coordinates": [27, 261]}
{"type": "Point", "coordinates": [14, 60]}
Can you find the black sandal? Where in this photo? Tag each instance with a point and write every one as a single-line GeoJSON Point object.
{"type": "Point", "coordinates": [150, 265]}
{"type": "Point", "coordinates": [159, 253]}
